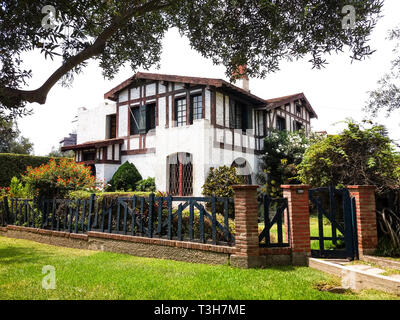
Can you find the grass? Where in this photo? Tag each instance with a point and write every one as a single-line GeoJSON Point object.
{"type": "Point", "coordinates": [82, 274]}
{"type": "Point", "coordinates": [314, 232]}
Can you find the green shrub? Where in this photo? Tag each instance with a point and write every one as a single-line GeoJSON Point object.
{"type": "Point", "coordinates": [219, 182]}
{"type": "Point", "coordinates": [14, 165]}
{"type": "Point", "coordinates": [17, 189]}
{"type": "Point", "coordinates": [125, 178]}
{"type": "Point", "coordinates": [55, 180]}
{"type": "Point", "coordinates": [148, 185]}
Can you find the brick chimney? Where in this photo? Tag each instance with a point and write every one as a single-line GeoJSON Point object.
{"type": "Point", "coordinates": [242, 80]}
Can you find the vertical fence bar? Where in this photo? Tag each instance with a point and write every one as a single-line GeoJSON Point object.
{"type": "Point", "coordinates": [141, 214]}
{"type": "Point", "coordinates": [180, 222]}
{"type": "Point", "coordinates": [109, 229]}
{"type": "Point", "coordinates": [169, 199]}
{"type": "Point", "coordinates": [125, 218]}
{"type": "Point", "coordinates": [320, 227]}
{"type": "Point", "coordinates": [279, 224]}
{"type": "Point", "coordinates": [25, 212]}
{"type": "Point", "coordinates": [70, 219]}
{"type": "Point", "coordinates": [103, 214]}
{"type": "Point", "coordinates": [202, 237]}
{"type": "Point", "coordinates": [83, 216]}
{"type": "Point", "coordinates": [28, 213]}
{"type": "Point", "coordinates": [6, 215]}
{"type": "Point", "coordinates": [53, 213]}
{"type": "Point", "coordinates": [43, 213]}
{"type": "Point", "coordinates": [191, 219]}
{"type": "Point", "coordinates": [332, 212]}
{"type": "Point", "coordinates": [78, 204]}
{"type": "Point", "coordinates": [118, 215]}
{"type": "Point", "coordinates": [150, 222]}
{"type": "Point", "coordinates": [91, 207]}
{"type": "Point", "coordinates": [226, 220]}
{"type": "Point", "coordinates": [134, 200]}
{"type": "Point", "coordinates": [214, 220]}
{"type": "Point", "coordinates": [267, 223]}
{"type": "Point", "coordinates": [159, 225]}
{"type": "Point", "coordinates": [65, 225]}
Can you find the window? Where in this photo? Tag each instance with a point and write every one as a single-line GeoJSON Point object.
{"type": "Point", "coordinates": [180, 112]}
{"type": "Point", "coordinates": [150, 117]}
{"type": "Point", "coordinates": [142, 119]}
{"type": "Point", "coordinates": [197, 107]}
{"type": "Point", "coordinates": [240, 115]}
{"type": "Point", "coordinates": [89, 155]}
{"type": "Point", "coordinates": [280, 123]}
{"type": "Point", "coordinates": [180, 174]}
{"type": "Point", "coordinates": [134, 120]}
{"type": "Point", "coordinates": [298, 110]}
{"type": "Point", "coordinates": [112, 126]}
{"type": "Point", "coordinates": [298, 126]}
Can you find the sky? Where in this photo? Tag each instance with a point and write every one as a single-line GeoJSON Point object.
{"type": "Point", "coordinates": [336, 92]}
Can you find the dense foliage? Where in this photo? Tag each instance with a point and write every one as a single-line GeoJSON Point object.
{"type": "Point", "coordinates": [357, 156]}
{"type": "Point", "coordinates": [125, 178]}
{"type": "Point", "coordinates": [219, 183]}
{"type": "Point", "coordinates": [55, 180]}
{"type": "Point", "coordinates": [147, 185]}
{"type": "Point", "coordinates": [259, 34]}
{"type": "Point", "coordinates": [14, 165]}
{"type": "Point", "coordinates": [283, 151]}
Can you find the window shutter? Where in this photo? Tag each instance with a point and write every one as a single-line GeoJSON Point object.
{"type": "Point", "coordinates": [231, 113]}
{"type": "Point", "coordinates": [142, 119]}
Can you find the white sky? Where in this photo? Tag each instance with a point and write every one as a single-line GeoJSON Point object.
{"type": "Point", "coordinates": [337, 92]}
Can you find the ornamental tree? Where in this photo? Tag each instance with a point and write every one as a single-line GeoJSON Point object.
{"type": "Point", "coordinates": [357, 156]}
{"type": "Point", "coordinates": [56, 179]}
{"type": "Point", "coordinates": [258, 34]}
{"type": "Point", "coordinates": [283, 151]}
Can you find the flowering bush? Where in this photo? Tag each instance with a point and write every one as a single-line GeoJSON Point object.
{"type": "Point", "coordinates": [57, 179]}
{"type": "Point", "coordinates": [283, 151]}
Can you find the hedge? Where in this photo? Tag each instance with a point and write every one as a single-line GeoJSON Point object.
{"type": "Point", "coordinates": [15, 165]}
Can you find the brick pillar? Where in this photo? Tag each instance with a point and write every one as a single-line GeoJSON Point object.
{"type": "Point", "coordinates": [247, 253]}
{"type": "Point", "coordinates": [366, 218]}
{"type": "Point", "coordinates": [299, 222]}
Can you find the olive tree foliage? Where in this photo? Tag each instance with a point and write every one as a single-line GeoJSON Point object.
{"type": "Point", "coordinates": [387, 95]}
{"type": "Point", "coordinates": [362, 154]}
{"type": "Point", "coordinates": [259, 34]}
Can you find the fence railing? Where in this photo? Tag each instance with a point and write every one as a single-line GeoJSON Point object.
{"type": "Point", "coordinates": [195, 219]}
{"type": "Point", "coordinates": [275, 231]}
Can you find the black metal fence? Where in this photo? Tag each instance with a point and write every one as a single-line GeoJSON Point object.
{"type": "Point", "coordinates": [272, 219]}
{"type": "Point", "coordinates": [192, 219]}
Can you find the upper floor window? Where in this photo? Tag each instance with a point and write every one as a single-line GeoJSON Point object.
{"type": "Point", "coordinates": [111, 126]}
{"type": "Point", "coordinates": [280, 123]}
{"type": "Point", "coordinates": [298, 126]}
{"type": "Point", "coordinates": [180, 112]}
{"type": "Point", "coordinates": [240, 116]}
{"type": "Point", "coordinates": [142, 119]}
{"type": "Point", "coordinates": [298, 110]}
{"type": "Point", "coordinates": [197, 106]}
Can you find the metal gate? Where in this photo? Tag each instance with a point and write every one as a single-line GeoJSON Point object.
{"type": "Point", "coordinates": [333, 225]}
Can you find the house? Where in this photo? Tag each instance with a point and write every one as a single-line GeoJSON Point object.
{"type": "Point", "coordinates": [174, 128]}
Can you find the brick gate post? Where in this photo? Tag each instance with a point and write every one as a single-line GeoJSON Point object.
{"type": "Point", "coordinates": [247, 253]}
{"type": "Point", "coordinates": [299, 222]}
{"type": "Point", "coordinates": [366, 218]}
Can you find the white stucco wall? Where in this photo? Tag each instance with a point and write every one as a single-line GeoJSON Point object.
{"type": "Point", "coordinates": [92, 122]}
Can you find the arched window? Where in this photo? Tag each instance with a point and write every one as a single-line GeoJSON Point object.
{"type": "Point", "coordinates": [180, 174]}
{"type": "Point", "coordinates": [243, 169]}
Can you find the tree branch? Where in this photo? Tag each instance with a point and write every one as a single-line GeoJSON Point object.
{"type": "Point", "coordinates": [11, 97]}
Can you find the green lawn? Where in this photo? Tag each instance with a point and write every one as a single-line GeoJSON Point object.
{"type": "Point", "coordinates": [83, 274]}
